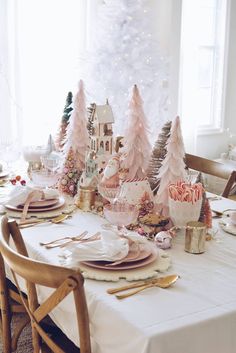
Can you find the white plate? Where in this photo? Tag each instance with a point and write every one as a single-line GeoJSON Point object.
{"type": "Point", "coordinates": [3, 174]}
{"type": "Point", "coordinates": [228, 228]}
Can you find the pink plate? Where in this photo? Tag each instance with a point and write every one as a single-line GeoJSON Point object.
{"type": "Point", "coordinates": [41, 204]}
{"type": "Point", "coordinates": [59, 204]}
{"type": "Point", "coordinates": [135, 254]}
{"type": "Point", "coordinates": [104, 265]}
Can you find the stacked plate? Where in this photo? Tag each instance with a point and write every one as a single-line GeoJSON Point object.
{"type": "Point", "coordinates": [39, 206]}
{"type": "Point", "coordinates": [4, 177]}
{"type": "Point", "coordinates": [139, 255]}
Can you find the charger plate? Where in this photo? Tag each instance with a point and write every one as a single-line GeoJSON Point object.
{"type": "Point", "coordinates": [67, 208]}
{"type": "Point", "coordinates": [60, 202]}
{"type": "Point", "coordinates": [161, 264]}
{"type": "Point", "coordinates": [40, 204]}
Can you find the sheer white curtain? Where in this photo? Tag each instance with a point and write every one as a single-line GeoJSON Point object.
{"type": "Point", "coordinates": [42, 44]}
{"type": "Point", "coordinates": [10, 101]}
{"type": "Point", "coordinates": [52, 36]}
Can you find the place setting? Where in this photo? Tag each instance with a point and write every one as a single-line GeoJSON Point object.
{"type": "Point", "coordinates": [34, 206]}
{"type": "Point", "coordinates": [4, 176]}
{"type": "Point", "coordinates": [116, 252]}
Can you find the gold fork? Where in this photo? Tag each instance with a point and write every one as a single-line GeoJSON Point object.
{"type": "Point", "coordinates": [63, 238]}
{"type": "Point", "coordinates": [81, 239]}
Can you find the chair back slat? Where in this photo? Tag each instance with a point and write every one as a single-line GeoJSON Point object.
{"type": "Point", "coordinates": [213, 168]}
{"type": "Point", "coordinates": [63, 280]}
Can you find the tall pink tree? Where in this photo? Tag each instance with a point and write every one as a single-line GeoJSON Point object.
{"type": "Point", "coordinates": [173, 166]}
{"type": "Point", "coordinates": [137, 147]}
{"type": "Point", "coordinates": [77, 136]}
{"type": "Point", "coordinates": [77, 141]}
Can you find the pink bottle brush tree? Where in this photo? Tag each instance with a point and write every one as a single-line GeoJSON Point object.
{"type": "Point", "coordinates": [77, 141]}
{"type": "Point", "coordinates": [173, 166]}
{"type": "Point", "coordinates": [137, 147]}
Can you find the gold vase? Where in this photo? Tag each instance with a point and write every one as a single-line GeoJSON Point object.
{"type": "Point", "coordinates": [85, 198]}
{"type": "Point", "coordinates": [195, 237]}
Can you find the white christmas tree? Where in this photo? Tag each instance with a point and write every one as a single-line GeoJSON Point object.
{"type": "Point", "coordinates": [77, 136]}
{"type": "Point", "coordinates": [173, 166]}
{"type": "Point", "coordinates": [124, 53]}
{"type": "Point", "coordinates": [137, 147]}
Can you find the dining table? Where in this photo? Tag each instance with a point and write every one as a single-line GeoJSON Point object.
{"type": "Point", "coordinates": [195, 315]}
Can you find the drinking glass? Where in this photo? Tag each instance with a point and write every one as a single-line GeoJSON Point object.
{"type": "Point", "coordinates": [51, 162]}
{"type": "Point", "coordinates": [44, 178]}
{"type": "Point", "coordinates": [110, 194]}
{"type": "Point", "coordinates": [120, 215]}
{"type": "Point", "coordinates": [9, 153]}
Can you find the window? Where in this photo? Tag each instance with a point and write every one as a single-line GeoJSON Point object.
{"type": "Point", "coordinates": [203, 64]}
{"type": "Point", "coordinates": [51, 38]}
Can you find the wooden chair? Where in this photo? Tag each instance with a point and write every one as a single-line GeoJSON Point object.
{"type": "Point", "coordinates": [10, 303]}
{"type": "Point", "coordinates": [63, 280]}
{"type": "Point", "coordinates": [214, 168]}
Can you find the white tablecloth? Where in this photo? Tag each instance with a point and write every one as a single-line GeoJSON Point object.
{"type": "Point", "coordinates": [196, 315]}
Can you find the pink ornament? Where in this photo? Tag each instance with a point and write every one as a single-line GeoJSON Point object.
{"type": "Point", "coordinates": [163, 239]}
{"type": "Point", "coordinates": [71, 188]}
{"type": "Point", "coordinates": [64, 182]}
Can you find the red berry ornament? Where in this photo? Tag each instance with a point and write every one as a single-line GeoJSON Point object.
{"type": "Point", "coordinates": [23, 182]}
{"type": "Point", "coordinates": [13, 181]}
{"type": "Point", "coordinates": [18, 177]}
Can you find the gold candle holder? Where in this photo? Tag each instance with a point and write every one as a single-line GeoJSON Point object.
{"type": "Point", "coordinates": [195, 237]}
{"type": "Point", "coordinates": [85, 198]}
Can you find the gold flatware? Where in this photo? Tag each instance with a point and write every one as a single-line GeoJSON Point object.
{"type": "Point", "coordinates": [131, 286]}
{"type": "Point", "coordinates": [140, 284]}
{"type": "Point", "coordinates": [63, 238]}
{"type": "Point", "coordinates": [32, 222]}
{"type": "Point", "coordinates": [81, 238]}
{"type": "Point", "coordinates": [161, 282]}
{"type": "Point", "coordinates": [58, 242]}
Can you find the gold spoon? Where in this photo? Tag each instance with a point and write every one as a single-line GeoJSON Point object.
{"type": "Point", "coordinates": [32, 222]}
{"type": "Point", "coordinates": [162, 282]}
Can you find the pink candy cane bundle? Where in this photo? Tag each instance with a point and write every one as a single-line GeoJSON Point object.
{"type": "Point", "coordinates": [184, 192]}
